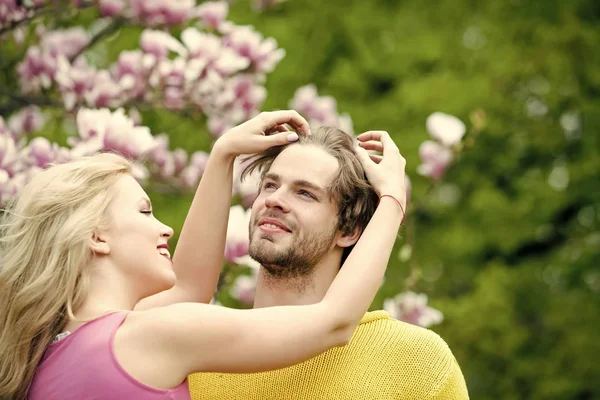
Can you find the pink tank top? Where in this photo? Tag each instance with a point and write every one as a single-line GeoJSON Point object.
{"type": "Point", "coordinates": [83, 366]}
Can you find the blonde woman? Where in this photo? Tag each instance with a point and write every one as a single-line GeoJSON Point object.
{"type": "Point", "coordinates": [93, 307]}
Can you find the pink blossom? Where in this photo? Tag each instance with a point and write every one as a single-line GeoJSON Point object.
{"type": "Point", "coordinates": [435, 159]}
{"type": "Point", "coordinates": [320, 110]}
{"type": "Point", "coordinates": [36, 71]}
{"type": "Point", "coordinates": [160, 44]}
{"type": "Point", "coordinates": [218, 126]}
{"type": "Point", "coordinates": [446, 129]}
{"type": "Point", "coordinates": [237, 241]}
{"type": "Point", "coordinates": [162, 12]}
{"type": "Point", "coordinates": [248, 188]}
{"type": "Point", "coordinates": [104, 92]}
{"type": "Point", "coordinates": [169, 163]}
{"type": "Point", "coordinates": [103, 130]}
{"type": "Point", "coordinates": [180, 158]}
{"type": "Point", "coordinates": [263, 53]}
{"type": "Point", "coordinates": [244, 289]}
{"type": "Point", "coordinates": [412, 308]}
{"type": "Point", "coordinates": [212, 13]}
{"type": "Point", "coordinates": [201, 44]}
{"type": "Point", "coordinates": [9, 153]}
{"type": "Point", "coordinates": [207, 49]}
{"type": "Point", "coordinates": [41, 152]}
{"type": "Point", "coordinates": [111, 8]}
{"type": "Point", "coordinates": [131, 70]}
{"type": "Point", "coordinates": [27, 120]}
{"type": "Point", "coordinates": [190, 175]}
{"type": "Point", "coordinates": [74, 80]}
{"type": "Point", "coordinates": [4, 130]}
{"type": "Point", "coordinates": [66, 42]}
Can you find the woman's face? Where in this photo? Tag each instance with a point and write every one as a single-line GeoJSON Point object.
{"type": "Point", "coordinates": [137, 241]}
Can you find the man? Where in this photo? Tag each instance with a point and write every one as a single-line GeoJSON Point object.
{"type": "Point", "coordinates": [313, 204]}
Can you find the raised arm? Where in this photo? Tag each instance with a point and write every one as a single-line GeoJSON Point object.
{"type": "Point", "coordinates": [197, 338]}
{"type": "Point", "coordinates": [199, 256]}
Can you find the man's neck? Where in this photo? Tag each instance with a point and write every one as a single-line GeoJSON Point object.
{"type": "Point", "coordinates": [277, 291]}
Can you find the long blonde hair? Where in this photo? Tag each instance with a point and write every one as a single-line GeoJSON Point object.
{"type": "Point", "coordinates": [44, 251]}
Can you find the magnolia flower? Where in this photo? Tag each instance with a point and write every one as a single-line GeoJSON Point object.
{"type": "Point", "coordinates": [111, 8]}
{"type": "Point", "coordinates": [263, 53]}
{"type": "Point", "coordinates": [212, 13]}
{"type": "Point", "coordinates": [74, 80]}
{"type": "Point", "coordinates": [9, 152]}
{"type": "Point", "coordinates": [319, 110]}
{"type": "Point", "coordinates": [446, 129]}
{"type": "Point", "coordinates": [162, 12]}
{"type": "Point", "coordinates": [41, 152]}
{"type": "Point", "coordinates": [103, 130]}
{"type": "Point", "coordinates": [238, 239]}
{"type": "Point", "coordinates": [27, 120]}
{"type": "Point", "coordinates": [412, 308]}
{"type": "Point", "coordinates": [190, 175]}
{"type": "Point", "coordinates": [248, 188]}
{"type": "Point", "coordinates": [244, 289]}
{"type": "Point", "coordinates": [435, 159]}
{"type": "Point", "coordinates": [160, 43]}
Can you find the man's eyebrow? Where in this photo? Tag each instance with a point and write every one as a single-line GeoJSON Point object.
{"type": "Point", "coordinates": [272, 176]}
{"type": "Point", "coordinates": [309, 185]}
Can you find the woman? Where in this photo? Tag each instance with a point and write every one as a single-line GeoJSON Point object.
{"type": "Point", "coordinates": [90, 306]}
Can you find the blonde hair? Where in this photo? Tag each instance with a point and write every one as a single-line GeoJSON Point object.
{"type": "Point", "coordinates": [44, 250]}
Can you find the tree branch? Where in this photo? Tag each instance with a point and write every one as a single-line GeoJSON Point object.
{"type": "Point", "coordinates": [110, 28]}
{"type": "Point", "coordinates": [17, 101]}
{"type": "Point", "coordinates": [37, 12]}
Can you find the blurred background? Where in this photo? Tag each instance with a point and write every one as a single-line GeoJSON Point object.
{"type": "Point", "coordinates": [495, 105]}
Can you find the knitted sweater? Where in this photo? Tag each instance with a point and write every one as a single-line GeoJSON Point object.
{"type": "Point", "coordinates": [386, 359]}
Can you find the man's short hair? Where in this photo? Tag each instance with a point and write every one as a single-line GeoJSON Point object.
{"type": "Point", "coordinates": [353, 194]}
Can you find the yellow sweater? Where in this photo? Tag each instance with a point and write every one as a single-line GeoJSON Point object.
{"type": "Point", "coordinates": [386, 359]}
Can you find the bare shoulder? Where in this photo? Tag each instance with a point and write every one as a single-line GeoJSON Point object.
{"type": "Point", "coordinates": [146, 344]}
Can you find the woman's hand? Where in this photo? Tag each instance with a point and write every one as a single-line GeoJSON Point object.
{"type": "Point", "coordinates": [386, 173]}
{"type": "Point", "coordinates": [266, 130]}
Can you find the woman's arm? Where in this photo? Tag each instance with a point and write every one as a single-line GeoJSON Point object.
{"type": "Point", "coordinates": [199, 256]}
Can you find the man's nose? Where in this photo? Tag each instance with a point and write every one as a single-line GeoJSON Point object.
{"type": "Point", "coordinates": [277, 200]}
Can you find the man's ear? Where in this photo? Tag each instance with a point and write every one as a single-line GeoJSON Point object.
{"type": "Point", "coordinates": [98, 244]}
{"type": "Point", "coordinates": [349, 240]}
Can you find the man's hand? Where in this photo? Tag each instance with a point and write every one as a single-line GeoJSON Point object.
{"type": "Point", "coordinates": [266, 130]}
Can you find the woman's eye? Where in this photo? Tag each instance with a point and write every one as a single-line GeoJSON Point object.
{"type": "Point", "coordinates": [268, 185]}
{"type": "Point", "coordinates": [148, 212]}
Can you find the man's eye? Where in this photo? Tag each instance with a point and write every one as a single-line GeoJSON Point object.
{"type": "Point", "coordinates": [268, 185]}
{"type": "Point", "coordinates": [306, 194]}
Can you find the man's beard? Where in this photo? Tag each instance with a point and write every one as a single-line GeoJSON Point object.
{"type": "Point", "coordinates": [295, 261]}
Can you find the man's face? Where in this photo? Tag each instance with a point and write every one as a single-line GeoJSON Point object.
{"type": "Point", "coordinates": [294, 221]}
